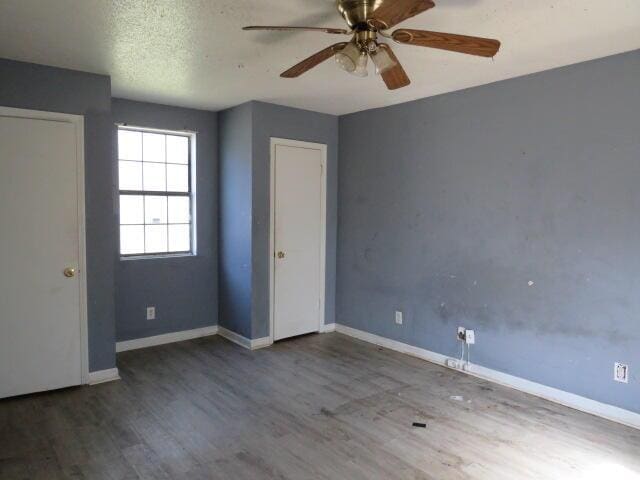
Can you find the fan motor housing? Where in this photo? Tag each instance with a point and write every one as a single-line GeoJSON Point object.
{"type": "Point", "coordinates": [357, 12]}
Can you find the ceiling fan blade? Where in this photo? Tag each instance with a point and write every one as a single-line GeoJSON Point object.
{"type": "Point", "coordinates": [392, 12]}
{"type": "Point", "coordinates": [337, 31]}
{"type": "Point", "coordinates": [394, 77]}
{"type": "Point", "coordinates": [314, 60]}
{"type": "Point", "coordinates": [484, 47]}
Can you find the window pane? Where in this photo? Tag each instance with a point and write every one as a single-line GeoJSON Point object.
{"type": "Point", "coordinates": [177, 149]}
{"type": "Point", "coordinates": [129, 145]}
{"type": "Point", "coordinates": [155, 238]}
{"type": "Point", "coordinates": [177, 178]}
{"type": "Point", "coordinates": [131, 209]}
{"type": "Point", "coordinates": [131, 239]}
{"type": "Point", "coordinates": [179, 210]}
{"type": "Point", "coordinates": [130, 175]}
{"type": "Point", "coordinates": [154, 163]}
{"type": "Point", "coordinates": [179, 240]}
{"type": "Point", "coordinates": [155, 210]}
{"type": "Point", "coordinates": [154, 177]}
{"type": "Point", "coordinates": [153, 147]}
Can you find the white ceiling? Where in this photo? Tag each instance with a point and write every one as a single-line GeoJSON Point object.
{"type": "Point", "coordinates": [192, 52]}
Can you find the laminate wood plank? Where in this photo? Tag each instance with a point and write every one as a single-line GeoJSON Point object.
{"type": "Point", "coordinates": [317, 407]}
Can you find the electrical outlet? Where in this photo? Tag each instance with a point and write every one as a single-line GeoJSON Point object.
{"type": "Point", "coordinates": [457, 364]}
{"type": "Point", "coordinates": [462, 333]}
{"type": "Point", "coordinates": [398, 317]}
{"type": "Point", "coordinates": [470, 337]}
{"type": "Point", "coordinates": [621, 373]}
{"type": "Point", "coordinates": [151, 313]}
{"type": "Point", "coordinates": [453, 363]}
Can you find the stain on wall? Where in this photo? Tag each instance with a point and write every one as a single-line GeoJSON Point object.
{"type": "Point", "coordinates": [511, 209]}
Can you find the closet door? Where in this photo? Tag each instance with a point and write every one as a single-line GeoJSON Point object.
{"type": "Point", "coordinates": [298, 238]}
{"type": "Point", "coordinates": [40, 297]}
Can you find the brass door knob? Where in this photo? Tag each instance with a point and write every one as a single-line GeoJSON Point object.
{"type": "Point", "coordinates": [280, 254]}
{"type": "Point", "coordinates": [69, 272]}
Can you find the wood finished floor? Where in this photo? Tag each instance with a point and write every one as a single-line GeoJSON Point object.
{"type": "Point", "coordinates": [318, 407]}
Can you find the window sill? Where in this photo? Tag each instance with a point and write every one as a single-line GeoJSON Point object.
{"type": "Point", "coordinates": [160, 256]}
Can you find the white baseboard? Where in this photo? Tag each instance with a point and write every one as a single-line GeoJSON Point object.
{"type": "Point", "coordinates": [577, 402]}
{"type": "Point", "coordinates": [567, 399]}
{"type": "Point", "coordinates": [234, 337]}
{"type": "Point", "coordinates": [263, 342]}
{"type": "Point", "coordinates": [165, 338]}
{"type": "Point", "coordinates": [393, 344]}
{"type": "Point", "coordinates": [244, 341]}
{"type": "Point", "coordinates": [102, 376]}
{"type": "Point", "coordinates": [329, 327]}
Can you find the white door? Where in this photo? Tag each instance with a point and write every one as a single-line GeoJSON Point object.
{"type": "Point", "coordinates": [298, 226]}
{"type": "Point", "coordinates": [40, 321]}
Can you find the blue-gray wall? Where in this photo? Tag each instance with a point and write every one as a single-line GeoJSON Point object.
{"type": "Point", "coordinates": [184, 289]}
{"type": "Point", "coordinates": [245, 134]}
{"type": "Point", "coordinates": [450, 206]}
{"type": "Point", "coordinates": [283, 122]}
{"type": "Point", "coordinates": [37, 87]}
{"type": "Point", "coordinates": [235, 196]}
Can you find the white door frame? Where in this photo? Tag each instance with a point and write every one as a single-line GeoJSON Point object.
{"type": "Point", "coordinates": [323, 225]}
{"type": "Point", "coordinates": [78, 122]}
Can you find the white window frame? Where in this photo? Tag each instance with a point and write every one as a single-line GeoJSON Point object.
{"type": "Point", "coordinates": [191, 135]}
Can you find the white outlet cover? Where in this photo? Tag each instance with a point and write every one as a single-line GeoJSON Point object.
{"type": "Point", "coordinates": [470, 337]}
{"type": "Point", "coordinates": [398, 317]}
{"type": "Point", "coordinates": [621, 372]}
{"type": "Point", "coordinates": [151, 313]}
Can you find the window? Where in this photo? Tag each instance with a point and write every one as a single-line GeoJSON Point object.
{"type": "Point", "coordinates": [155, 192]}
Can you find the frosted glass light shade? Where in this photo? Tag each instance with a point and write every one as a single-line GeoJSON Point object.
{"type": "Point", "coordinates": [382, 60]}
{"type": "Point", "coordinates": [348, 57]}
{"type": "Point", "coordinates": [361, 65]}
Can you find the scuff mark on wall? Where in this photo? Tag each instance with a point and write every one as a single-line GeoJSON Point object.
{"type": "Point", "coordinates": [513, 214]}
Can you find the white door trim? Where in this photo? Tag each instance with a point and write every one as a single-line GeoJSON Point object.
{"type": "Point", "coordinates": [323, 225]}
{"type": "Point", "coordinates": [78, 122]}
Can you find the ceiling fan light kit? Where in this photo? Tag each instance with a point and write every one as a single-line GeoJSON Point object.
{"type": "Point", "coordinates": [348, 57]}
{"type": "Point", "coordinates": [382, 60]}
{"type": "Point", "coordinates": [366, 20]}
{"type": "Point", "coordinates": [361, 66]}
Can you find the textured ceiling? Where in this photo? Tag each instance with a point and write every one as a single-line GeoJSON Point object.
{"type": "Point", "coordinates": [193, 53]}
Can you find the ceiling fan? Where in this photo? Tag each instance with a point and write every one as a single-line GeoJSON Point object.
{"type": "Point", "coordinates": [370, 19]}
